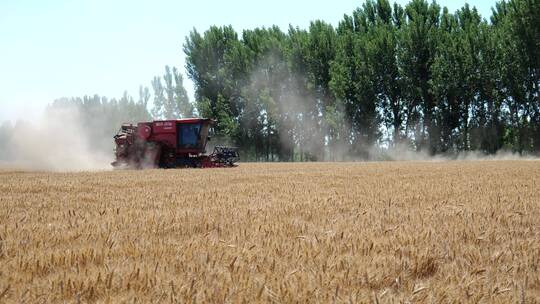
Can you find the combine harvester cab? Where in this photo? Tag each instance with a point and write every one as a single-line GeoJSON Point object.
{"type": "Point", "coordinates": [170, 144]}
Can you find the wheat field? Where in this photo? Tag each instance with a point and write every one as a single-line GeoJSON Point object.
{"type": "Point", "coordinates": [394, 232]}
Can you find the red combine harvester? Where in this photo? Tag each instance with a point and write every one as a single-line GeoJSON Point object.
{"type": "Point", "coordinates": [170, 144]}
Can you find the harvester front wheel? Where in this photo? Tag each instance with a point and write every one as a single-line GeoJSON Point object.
{"type": "Point", "coordinates": [167, 159]}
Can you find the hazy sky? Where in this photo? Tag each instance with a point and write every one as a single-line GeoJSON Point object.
{"type": "Point", "coordinates": [55, 48]}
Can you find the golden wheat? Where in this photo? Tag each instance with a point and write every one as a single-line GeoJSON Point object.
{"type": "Point", "coordinates": [446, 232]}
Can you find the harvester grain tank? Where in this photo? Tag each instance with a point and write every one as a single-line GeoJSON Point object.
{"type": "Point", "coordinates": [170, 144]}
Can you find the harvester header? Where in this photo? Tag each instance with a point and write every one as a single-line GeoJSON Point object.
{"type": "Point", "coordinates": [170, 144]}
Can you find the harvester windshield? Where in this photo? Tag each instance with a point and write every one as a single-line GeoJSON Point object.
{"type": "Point", "coordinates": [192, 135]}
{"type": "Point", "coordinates": [188, 135]}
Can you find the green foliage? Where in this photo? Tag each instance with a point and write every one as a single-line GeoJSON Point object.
{"type": "Point", "coordinates": [183, 107]}
{"type": "Point", "coordinates": [226, 126]}
{"type": "Point", "coordinates": [159, 98]}
{"type": "Point", "coordinates": [416, 75]}
{"type": "Point", "coordinates": [387, 75]}
{"type": "Point", "coordinates": [171, 101]}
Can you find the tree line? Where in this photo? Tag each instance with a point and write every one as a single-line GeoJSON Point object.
{"type": "Point", "coordinates": [414, 77]}
{"type": "Point", "coordinates": [388, 76]}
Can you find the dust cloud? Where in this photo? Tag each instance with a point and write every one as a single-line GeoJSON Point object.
{"type": "Point", "coordinates": [308, 119]}
{"type": "Point", "coordinates": [56, 142]}
{"type": "Point", "coordinates": [405, 153]}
